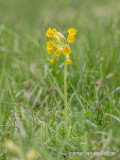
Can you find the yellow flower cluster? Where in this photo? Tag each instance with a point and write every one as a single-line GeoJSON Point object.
{"type": "Point", "coordinates": [58, 44]}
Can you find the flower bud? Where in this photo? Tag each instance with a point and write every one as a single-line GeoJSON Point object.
{"type": "Point", "coordinates": [60, 35]}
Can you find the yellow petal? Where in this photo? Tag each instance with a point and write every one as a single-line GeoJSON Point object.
{"type": "Point", "coordinates": [49, 51]}
{"type": "Point", "coordinates": [54, 31]}
{"type": "Point", "coordinates": [52, 60]}
{"type": "Point", "coordinates": [68, 61]}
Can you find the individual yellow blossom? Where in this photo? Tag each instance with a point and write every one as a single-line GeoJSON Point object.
{"type": "Point", "coordinates": [68, 61]}
{"type": "Point", "coordinates": [57, 52]}
{"type": "Point", "coordinates": [54, 31]}
{"type": "Point", "coordinates": [72, 31]}
{"type": "Point", "coordinates": [66, 50]}
{"type": "Point", "coordinates": [70, 38]}
{"type": "Point", "coordinates": [49, 51]}
{"type": "Point", "coordinates": [52, 60]}
{"type": "Point", "coordinates": [49, 33]}
{"type": "Point", "coordinates": [50, 44]}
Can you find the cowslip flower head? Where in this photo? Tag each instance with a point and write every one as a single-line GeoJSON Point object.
{"type": "Point", "coordinates": [59, 44]}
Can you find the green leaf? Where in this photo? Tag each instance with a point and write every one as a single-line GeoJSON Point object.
{"type": "Point", "coordinates": [62, 131]}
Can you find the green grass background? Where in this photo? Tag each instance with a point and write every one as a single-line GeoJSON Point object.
{"type": "Point", "coordinates": [33, 88]}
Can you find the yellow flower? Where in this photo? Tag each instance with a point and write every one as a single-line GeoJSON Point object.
{"type": "Point", "coordinates": [49, 51]}
{"type": "Point", "coordinates": [66, 50]}
{"type": "Point", "coordinates": [50, 44]}
{"type": "Point", "coordinates": [72, 31]}
{"type": "Point", "coordinates": [52, 60]}
{"type": "Point", "coordinates": [49, 33]}
{"type": "Point", "coordinates": [70, 38]}
{"type": "Point", "coordinates": [57, 52]}
{"type": "Point", "coordinates": [68, 61]}
{"type": "Point", "coordinates": [54, 31]}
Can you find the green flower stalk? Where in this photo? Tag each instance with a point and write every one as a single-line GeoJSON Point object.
{"type": "Point", "coordinates": [65, 88]}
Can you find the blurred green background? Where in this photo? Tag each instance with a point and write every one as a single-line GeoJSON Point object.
{"type": "Point", "coordinates": [33, 14]}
